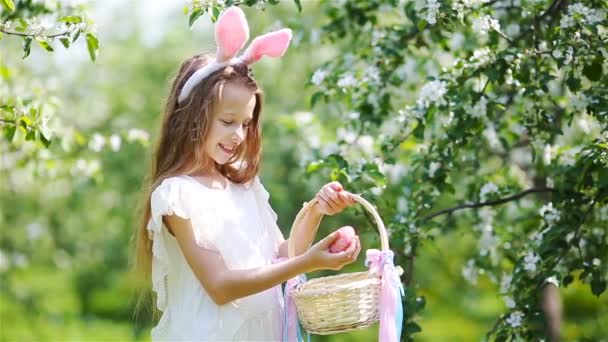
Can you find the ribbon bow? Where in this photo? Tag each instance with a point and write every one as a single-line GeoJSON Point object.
{"type": "Point", "coordinates": [391, 308]}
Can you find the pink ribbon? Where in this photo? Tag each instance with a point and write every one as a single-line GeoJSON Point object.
{"type": "Point", "coordinates": [391, 310]}
{"type": "Point", "coordinates": [290, 324]}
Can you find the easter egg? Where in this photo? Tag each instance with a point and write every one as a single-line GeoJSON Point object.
{"type": "Point", "coordinates": [347, 234]}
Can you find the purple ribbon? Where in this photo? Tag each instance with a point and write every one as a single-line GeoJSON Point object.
{"type": "Point", "coordinates": [391, 309]}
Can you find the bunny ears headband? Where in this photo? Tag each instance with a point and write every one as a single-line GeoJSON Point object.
{"type": "Point", "coordinates": [231, 34]}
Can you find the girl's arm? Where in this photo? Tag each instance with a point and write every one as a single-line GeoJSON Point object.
{"type": "Point", "coordinates": [224, 285]}
{"type": "Point", "coordinates": [305, 236]}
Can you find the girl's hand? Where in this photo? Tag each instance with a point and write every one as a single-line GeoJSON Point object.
{"type": "Point", "coordinates": [318, 256]}
{"type": "Point", "coordinates": [332, 199]}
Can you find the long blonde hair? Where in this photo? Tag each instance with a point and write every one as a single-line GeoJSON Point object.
{"type": "Point", "coordinates": [180, 148]}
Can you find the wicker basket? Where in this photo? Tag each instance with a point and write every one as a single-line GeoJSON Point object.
{"type": "Point", "coordinates": [339, 303]}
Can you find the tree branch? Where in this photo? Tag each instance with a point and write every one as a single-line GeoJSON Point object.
{"type": "Point", "coordinates": [488, 203]}
{"type": "Point", "coordinates": [34, 35]}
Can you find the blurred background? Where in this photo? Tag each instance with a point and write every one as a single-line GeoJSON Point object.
{"type": "Point", "coordinates": [67, 213]}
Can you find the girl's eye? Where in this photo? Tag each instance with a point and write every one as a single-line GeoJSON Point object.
{"type": "Point", "coordinates": [227, 122]}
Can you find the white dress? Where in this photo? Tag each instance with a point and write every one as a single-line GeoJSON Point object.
{"type": "Point", "coordinates": [239, 223]}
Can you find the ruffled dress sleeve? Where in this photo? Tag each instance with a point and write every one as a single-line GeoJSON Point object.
{"type": "Point", "coordinates": [171, 197]}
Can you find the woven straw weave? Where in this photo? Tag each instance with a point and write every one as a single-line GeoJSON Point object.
{"type": "Point", "coordinates": [339, 303]}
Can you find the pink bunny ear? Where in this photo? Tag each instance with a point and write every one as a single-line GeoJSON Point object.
{"type": "Point", "coordinates": [231, 33]}
{"type": "Point", "coordinates": [273, 44]}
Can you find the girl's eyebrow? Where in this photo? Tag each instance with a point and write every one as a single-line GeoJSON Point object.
{"type": "Point", "coordinates": [232, 115]}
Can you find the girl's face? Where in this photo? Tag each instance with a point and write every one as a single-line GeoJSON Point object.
{"type": "Point", "coordinates": [232, 114]}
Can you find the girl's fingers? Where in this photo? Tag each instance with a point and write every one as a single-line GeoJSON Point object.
{"type": "Point", "coordinates": [340, 198]}
{"type": "Point", "coordinates": [331, 199]}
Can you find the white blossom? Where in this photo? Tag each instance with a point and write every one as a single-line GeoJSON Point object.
{"type": "Point", "coordinates": [329, 149]}
{"type": "Point", "coordinates": [347, 80]}
{"type": "Point", "coordinates": [86, 167]}
{"type": "Point", "coordinates": [488, 188]}
{"type": "Point", "coordinates": [481, 56]}
{"type": "Point", "coordinates": [136, 134]}
{"type": "Point", "coordinates": [433, 167]}
{"type": "Point", "coordinates": [568, 158]}
{"type": "Point", "coordinates": [484, 24]}
{"type": "Point", "coordinates": [552, 280]}
{"type": "Point", "coordinates": [603, 213]}
{"type": "Point", "coordinates": [319, 76]}
{"type": "Point", "coordinates": [549, 213]}
{"type": "Point", "coordinates": [432, 8]}
{"type": "Point", "coordinates": [505, 282]}
{"type": "Point", "coordinates": [514, 319]}
{"type": "Point", "coordinates": [569, 55]}
{"type": "Point", "coordinates": [473, 3]}
{"type": "Point", "coordinates": [578, 101]}
{"type": "Point", "coordinates": [372, 75]}
{"type": "Point", "coordinates": [115, 142]}
{"type": "Point", "coordinates": [348, 136]}
{"type": "Point", "coordinates": [512, 29]}
{"type": "Point", "coordinates": [509, 302]}
{"type": "Point", "coordinates": [596, 262]}
{"type": "Point", "coordinates": [488, 242]}
{"type": "Point", "coordinates": [303, 119]}
{"type": "Point", "coordinates": [530, 261]}
{"type": "Point", "coordinates": [480, 109]}
{"type": "Point", "coordinates": [548, 154]}
{"type": "Point", "coordinates": [432, 92]}
{"type": "Point", "coordinates": [97, 142]}
{"type": "Point", "coordinates": [35, 230]}
{"type": "Point", "coordinates": [582, 13]}
{"type": "Point", "coordinates": [469, 272]}
{"type": "Point", "coordinates": [366, 143]}
{"type": "Point", "coordinates": [557, 53]}
{"type": "Point", "coordinates": [490, 134]}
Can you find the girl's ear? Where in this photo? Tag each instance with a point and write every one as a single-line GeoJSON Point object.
{"type": "Point", "coordinates": [273, 44]}
{"type": "Point", "coordinates": [231, 33]}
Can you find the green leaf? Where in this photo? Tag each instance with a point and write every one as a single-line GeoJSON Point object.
{"type": "Point", "coordinates": [593, 71]}
{"type": "Point", "coordinates": [75, 35]}
{"type": "Point", "coordinates": [65, 42]}
{"type": "Point", "coordinates": [27, 42]}
{"type": "Point", "coordinates": [215, 13]}
{"type": "Point", "coordinates": [574, 84]}
{"type": "Point", "coordinates": [45, 45]}
{"type": "Point", "coordinates": [9, 132]}
{"type": "Point", "coordinates": [298, 5]}
{"type": "Point", "coordinates": [72, 19]}
{"type": "Point", "coordinates": [412, 328]}
{"type": "Point", "coordinates": [598, 285]}
{"type": "Point", "coordinates": [314, 166]}
{"type": "Point", "coordinates": [92, 46]}
{"type": "Point", "coordinates": [567, 280]}
{"type": "Point", "coordinates": [195, 15]}
{"type": "Point", "coordinates": [8, 4]}
{"type": "Point", "coordinates": [421, 25]}
{"type": "Point", "coordinates": [31, 135]}
{"type": "Point", "coordinates": [316, 97]}
{"type": "Point", "coordinates": [46, 142]}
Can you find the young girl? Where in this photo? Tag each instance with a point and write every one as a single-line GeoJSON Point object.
{"type": "Point", "coordinates": [209, 236]}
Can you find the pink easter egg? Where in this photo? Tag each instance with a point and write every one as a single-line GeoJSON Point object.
{"type": "Point", "coordinates": [347, 234]}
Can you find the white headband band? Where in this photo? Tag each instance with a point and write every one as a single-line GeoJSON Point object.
{"type": "Point", "coordinates": [231, 34]}
{"type": "Point", "coordinates": [203, 73]}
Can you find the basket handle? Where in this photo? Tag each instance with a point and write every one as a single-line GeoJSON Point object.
{"type": "Point", "coordinates": [368, 206]}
